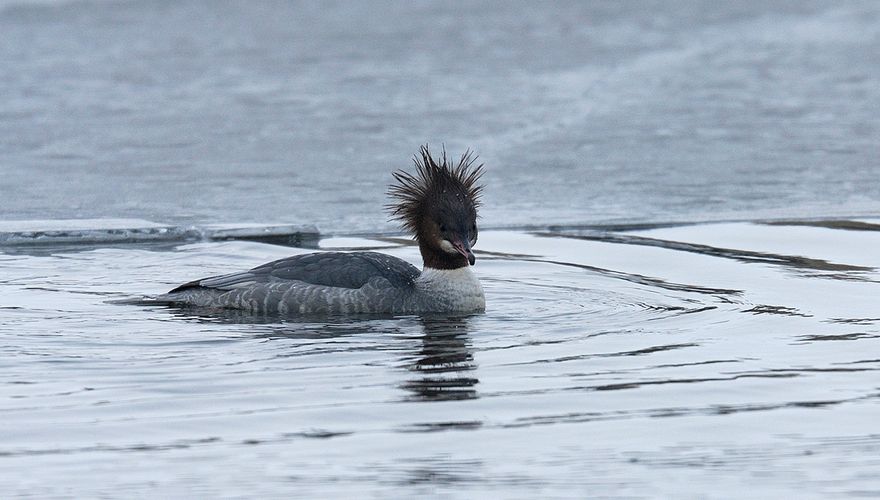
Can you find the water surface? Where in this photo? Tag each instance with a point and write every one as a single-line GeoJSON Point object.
{"type": "Point", "coordinates": [195, 111]}
{"type": "Point", "coordinates": [688, 361]}
{"type": "Point", "coordinates": [620, 356]}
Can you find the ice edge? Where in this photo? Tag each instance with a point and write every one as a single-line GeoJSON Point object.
{"type": "Point", "coordinates": [117, 231]}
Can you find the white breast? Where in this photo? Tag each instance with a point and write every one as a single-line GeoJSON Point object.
{"type": "Point", "coordinates": [451, 289]}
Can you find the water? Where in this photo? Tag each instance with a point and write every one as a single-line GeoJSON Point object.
{"type": "Point", "coordinates": [588, 112]}
{"type": "Point", "coordinates": [687, 361]}
{"type": "Point", "coordinates": [643, 346]}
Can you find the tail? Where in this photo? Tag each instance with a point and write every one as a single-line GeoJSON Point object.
{"type": "Point", "coordinates": [147, 300]}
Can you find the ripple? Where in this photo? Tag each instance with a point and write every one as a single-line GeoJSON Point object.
{"type": "Point", "coordinates": [611, 356]}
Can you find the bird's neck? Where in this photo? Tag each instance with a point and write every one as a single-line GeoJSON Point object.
{"type": "Point", "coordinates": [436, 258]}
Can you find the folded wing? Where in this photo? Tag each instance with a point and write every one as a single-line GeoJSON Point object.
{"type": "Point", "coordinates": [333, 269]}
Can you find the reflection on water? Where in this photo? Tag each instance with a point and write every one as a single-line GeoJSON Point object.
{"type": "Point", "coordinates": [440, 362]}
{"type": "Point", "coordinates": [444, 366]}
{"type": "Point", "coordinates": [443, 357]}
{"type": "Point", "coordinates": [599, 365]}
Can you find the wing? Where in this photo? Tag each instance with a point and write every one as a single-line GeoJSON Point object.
{"type": "Point", "coordinates": [335, 269]}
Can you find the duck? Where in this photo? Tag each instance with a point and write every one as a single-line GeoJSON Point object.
{"type": "Point", "coordinates": [436, 204]}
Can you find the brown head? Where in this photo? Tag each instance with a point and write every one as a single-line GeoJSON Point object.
{"type": "Point", "coordinates": [438, 204]}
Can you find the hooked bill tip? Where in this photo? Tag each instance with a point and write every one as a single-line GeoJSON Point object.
{"type": "Point", "coordinates": [465, 250]}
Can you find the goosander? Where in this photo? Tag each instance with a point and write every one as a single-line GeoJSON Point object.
{"type": "Point", "coordinates": [438, 205]}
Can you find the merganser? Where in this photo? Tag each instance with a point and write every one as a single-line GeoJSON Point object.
{"type": "Point", "coordinates": [438, 205]}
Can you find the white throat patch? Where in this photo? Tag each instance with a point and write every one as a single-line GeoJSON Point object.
{"type": "Point", "coordinates": [456, 289]}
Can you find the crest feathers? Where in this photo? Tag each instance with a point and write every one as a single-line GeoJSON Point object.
{"type": "Point", "coordinates": [432, 180]}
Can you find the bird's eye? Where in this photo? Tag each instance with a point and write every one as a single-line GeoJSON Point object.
{"type": "Point", "coordinates": [442, 228]}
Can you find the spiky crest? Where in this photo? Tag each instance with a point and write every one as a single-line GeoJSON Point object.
{"type": "Point", "coordinates": [431, 180]}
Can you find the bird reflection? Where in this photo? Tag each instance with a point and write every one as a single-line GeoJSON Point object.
{"type": "Point", "coordinates": [445, 357]}
{"type": "Point", "coordinates": [440, 364]}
